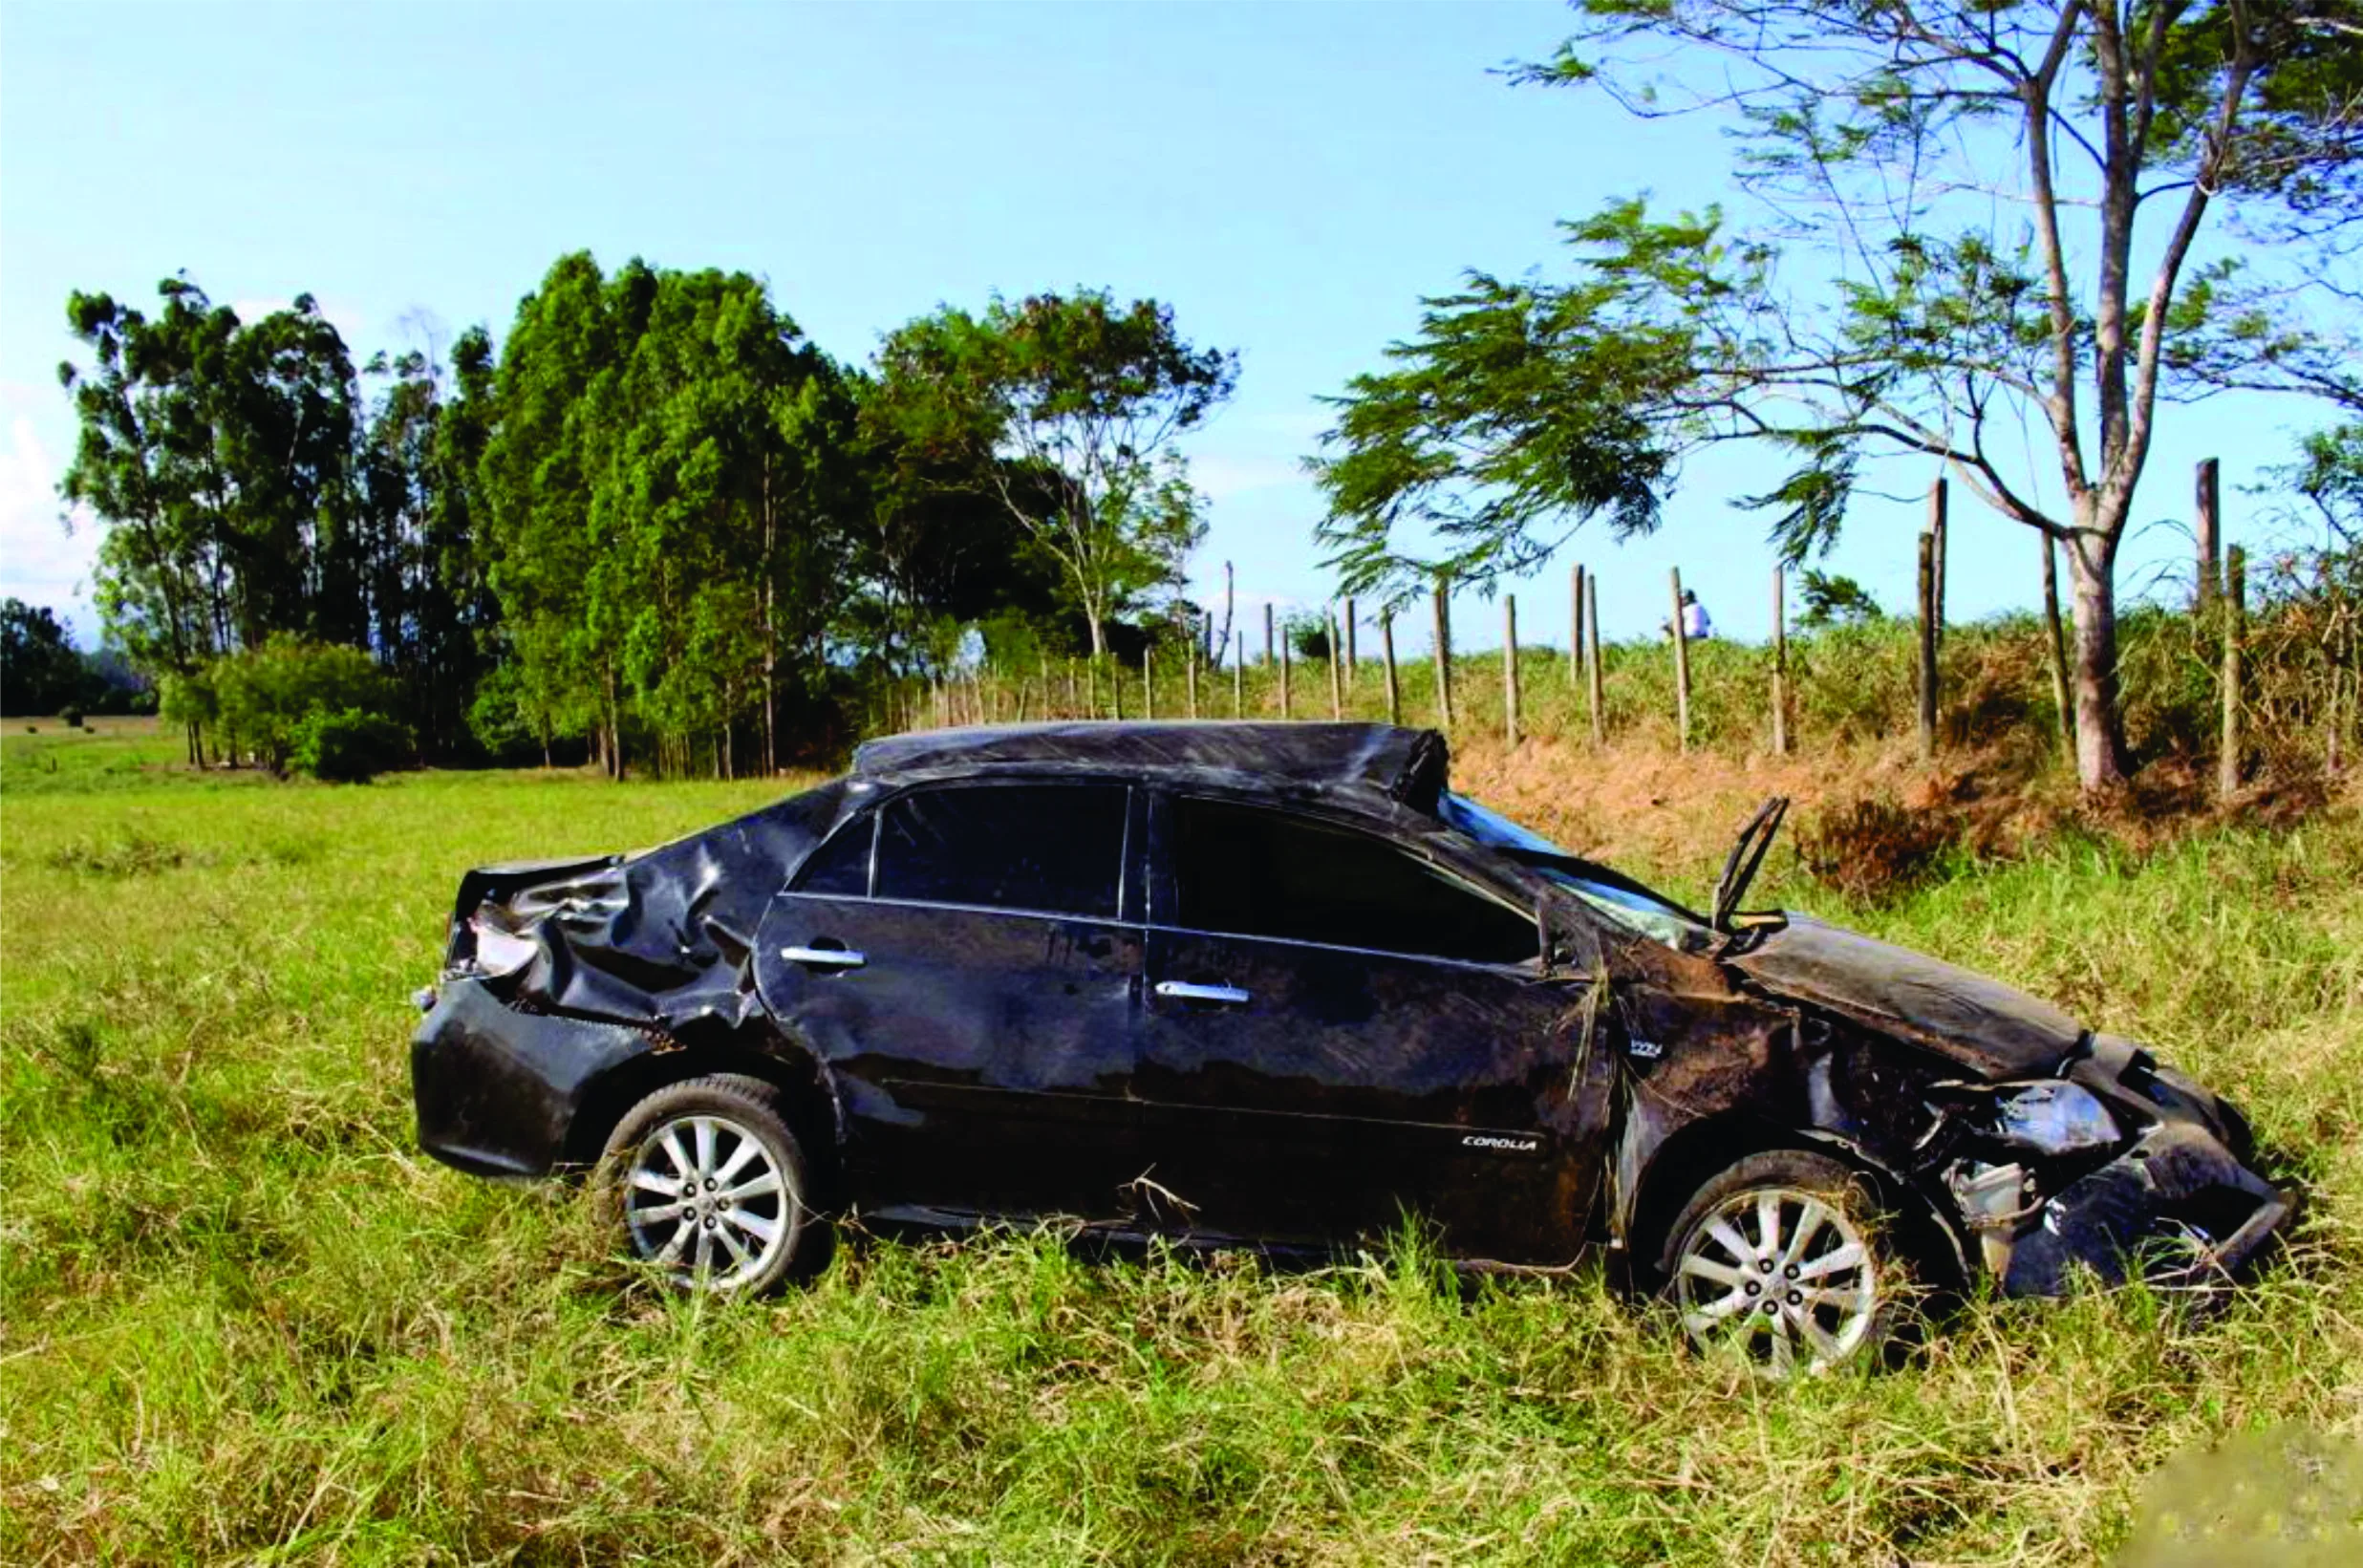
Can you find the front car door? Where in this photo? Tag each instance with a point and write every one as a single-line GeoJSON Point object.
{"type": "Point", "coordinates": [961, 957]}
{"type": "Point", "coordinates": [1342, 1026]}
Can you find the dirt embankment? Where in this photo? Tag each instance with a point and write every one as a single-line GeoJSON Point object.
{"type": "Point", "coordinates": [1644, 806]}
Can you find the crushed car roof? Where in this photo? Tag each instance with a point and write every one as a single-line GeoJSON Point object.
{"type": "Point", "coordinates": [1407, 764]}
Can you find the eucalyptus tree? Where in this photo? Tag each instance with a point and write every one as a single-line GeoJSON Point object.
{"type": "Point", "coordinates": [1078, 395]}
{"type": "Point", "coordinates": [140, 469]}
{"type": "Point", "coordinates": [218, 458]}
{"type": "Point", "coordinates": [1960, 221]}
{"type": "Point", "coordinates": [664, 481]}
{"type": "Point", "coordinates": [554, 389]}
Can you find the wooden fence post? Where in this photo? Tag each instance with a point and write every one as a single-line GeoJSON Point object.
{"type": "Point", "coordinates": [2209, 531]}
{"type": "Point", "coordinates": [1284, 665]}
{"type": "Point", "coordinates": [2340, 646]}
{"type": "Point", "coordinates": [1352, 658]}
{"type": "Point", "coordinates": [1337, 669]}
{"type": "Point", "coordinates": [1386, 649]}
{"type": "Point", "coordinates": [2235, 630]}
{"type": "Point", "coordinates": [1510, 667]}
{"type": "Point", "coordinates": [1239, 678]}
{"type": "Point", "coordinates": [1443, 598]}
{"type": "Point", "coordinates": [1092, 687]}
{"type": "Point", "coordinates": [1149, 684]}
{"type": "Point", "coordinates": [1189, 672]}
{"type": "Point", "coordinates": [1927, 647]}
{"type": "Point", "coordinates": [1681, 665]}
{"type": "Point", "coordinates": [1591, 656]}
{"type": "Point", "coordinates": [1271, 641]}
{"type": "Point", "coordinates": [1574, 630]}
{"type": "Point", "coordinates": [1940, 519]}
{"type": "Point", "coordinates": [1115, 686]}
{"type": "Point", "coordinates": [1780, 663]}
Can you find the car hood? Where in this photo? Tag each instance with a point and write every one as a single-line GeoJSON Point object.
{"type": "Point", "coordinates": [1996, 1030]}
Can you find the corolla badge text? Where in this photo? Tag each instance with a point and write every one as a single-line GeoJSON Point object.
{"type": "Point", "coordinates": [1507, 1146]}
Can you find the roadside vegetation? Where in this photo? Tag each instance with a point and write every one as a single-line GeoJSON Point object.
{"type": "Point", "coordinates": [242, 1318]}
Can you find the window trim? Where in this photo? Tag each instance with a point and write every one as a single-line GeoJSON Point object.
{"type": "Point", "coordinates": [1125, 788]}
{"type": "Point", "coordinates": [1167, 841]}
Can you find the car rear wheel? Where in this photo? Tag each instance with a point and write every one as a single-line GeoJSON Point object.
{"type": "Point", "coordinates": [705, 1182]}
{"type": "Point", "coordinates": [1784, 1262]}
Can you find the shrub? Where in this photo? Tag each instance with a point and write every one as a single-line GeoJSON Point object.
{"type": "Point", "coordinates": [1874, 847]}
{"type": "Point", "coordinates": [264, 696]}
{"type": "Point", "coordinates": [72, 718]}
{"type": "Point", "coordinates": [349, 745]}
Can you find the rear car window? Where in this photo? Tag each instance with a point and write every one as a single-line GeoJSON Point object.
{"type": "Point", "coordinates": [1247, 872]}
{"type": "Point", "coordinates": [840, 868]}
{"type": "Point", "coordinates": [1056, 849]}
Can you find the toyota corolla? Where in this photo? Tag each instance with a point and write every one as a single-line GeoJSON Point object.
{"type": "Point", "coordinates": [1278, 985]}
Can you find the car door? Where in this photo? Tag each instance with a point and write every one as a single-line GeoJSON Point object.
{"type": "Point", "coordinates": [1341, 1029]}
{"type": "Point", "coordinates": [960, 957]}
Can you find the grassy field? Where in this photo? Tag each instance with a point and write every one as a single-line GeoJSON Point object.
{"type": "Point", "coordinates": [241, 1319]}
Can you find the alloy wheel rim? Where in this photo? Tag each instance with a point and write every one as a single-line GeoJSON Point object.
{"type": "Point", "coordinates": [705, 1200]}
{"type": "Point", "coordinates": [1781, 1276]}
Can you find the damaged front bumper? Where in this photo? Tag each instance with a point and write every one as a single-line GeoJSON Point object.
{"type": "Point", "coordinates": [2175, 1208]}
{"type": "Point", "coordinates": [2179, 1205]}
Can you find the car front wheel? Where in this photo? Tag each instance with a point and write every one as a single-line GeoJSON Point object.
{"type": "Point", "coordinates": [1783, 1260]}
{"type": "Point", "coordinates": [705, 1182]}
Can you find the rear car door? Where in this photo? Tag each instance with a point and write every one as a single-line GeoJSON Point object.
{"type": "Point", "coordinates": [962, 958]}
{"type": "Point", "coordinates": [1338, 1029]}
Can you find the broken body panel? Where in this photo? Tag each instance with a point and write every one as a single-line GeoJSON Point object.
{"type": "Point", "coordinates": [950, 1062]}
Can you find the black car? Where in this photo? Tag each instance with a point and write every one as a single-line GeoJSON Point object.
{"type": "Point", "coordinates": [1276, 985]}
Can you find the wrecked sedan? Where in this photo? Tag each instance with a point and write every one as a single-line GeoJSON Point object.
{"type": "Point", "coordinates": [1276, 985]}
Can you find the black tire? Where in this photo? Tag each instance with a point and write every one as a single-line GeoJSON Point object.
{"type": "Point", "coordinates": [1829, 1290]}
{"type": "Point", "coordinates": [722, 1231]}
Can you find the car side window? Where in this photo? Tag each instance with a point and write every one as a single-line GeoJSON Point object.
{"type": "Point", "coordinates": [840, 868]}
{"type": "Point", "coordinates": [1053, 847]}
{"type": "Point", "coordinates": [1247, 872]}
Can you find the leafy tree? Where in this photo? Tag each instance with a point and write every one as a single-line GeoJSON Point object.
{"type": "Point", "coordinates": [1831, 599]}
{"type": "Point", "coordinates": [219, 459]}
{"type": "Point", "coordinates": [141, 465]}
{"type": "Point", "coordinates": [2329, 474]}
{"type": "Point", "coordinates": [662, 486]}
{"type": "Point", "coordinates": [41, 669]}
{"type": "Point", "coordinates": [422, 604]}
{"type": "Point", "coordinates": [554, 388]}
{"type": "Point", "coordinates": [1074, 399]}
{"type": "Point", "coordinates": [1963, 217]}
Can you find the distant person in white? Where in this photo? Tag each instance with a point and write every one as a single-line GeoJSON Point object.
{"type": "Point", "coordinates": [1694, 622]}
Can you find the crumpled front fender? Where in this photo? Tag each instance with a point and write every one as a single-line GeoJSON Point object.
{"type": "Point", "coordinates": [2176, 1207]}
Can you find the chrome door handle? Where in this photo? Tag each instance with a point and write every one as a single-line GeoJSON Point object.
{"type": "Point", "coordinates": [1183, 991]}
{"type": "Point", "coordinates": [823, 957]}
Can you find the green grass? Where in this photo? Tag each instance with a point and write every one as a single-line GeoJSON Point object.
{"type": "Point", "coordinates": [241, 1319]}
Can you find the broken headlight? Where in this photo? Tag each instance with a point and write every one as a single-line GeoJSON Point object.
{"type": "Point", "coordinates": [2053, 1117]}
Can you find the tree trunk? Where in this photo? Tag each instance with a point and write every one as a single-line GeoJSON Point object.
{"type": "Point", "coordinates": [2055, 642]}
{"type": "Point", "coordinates": [2100, 744]}
{"type": "Point", "coordinates": [1099, 634]}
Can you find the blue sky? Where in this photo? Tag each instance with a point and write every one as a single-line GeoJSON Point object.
{"type": "Point", "coordinates": [1291, 177]}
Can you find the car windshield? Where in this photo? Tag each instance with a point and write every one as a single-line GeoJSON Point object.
{"type": "Point", "coordinates": [1613, 894]}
